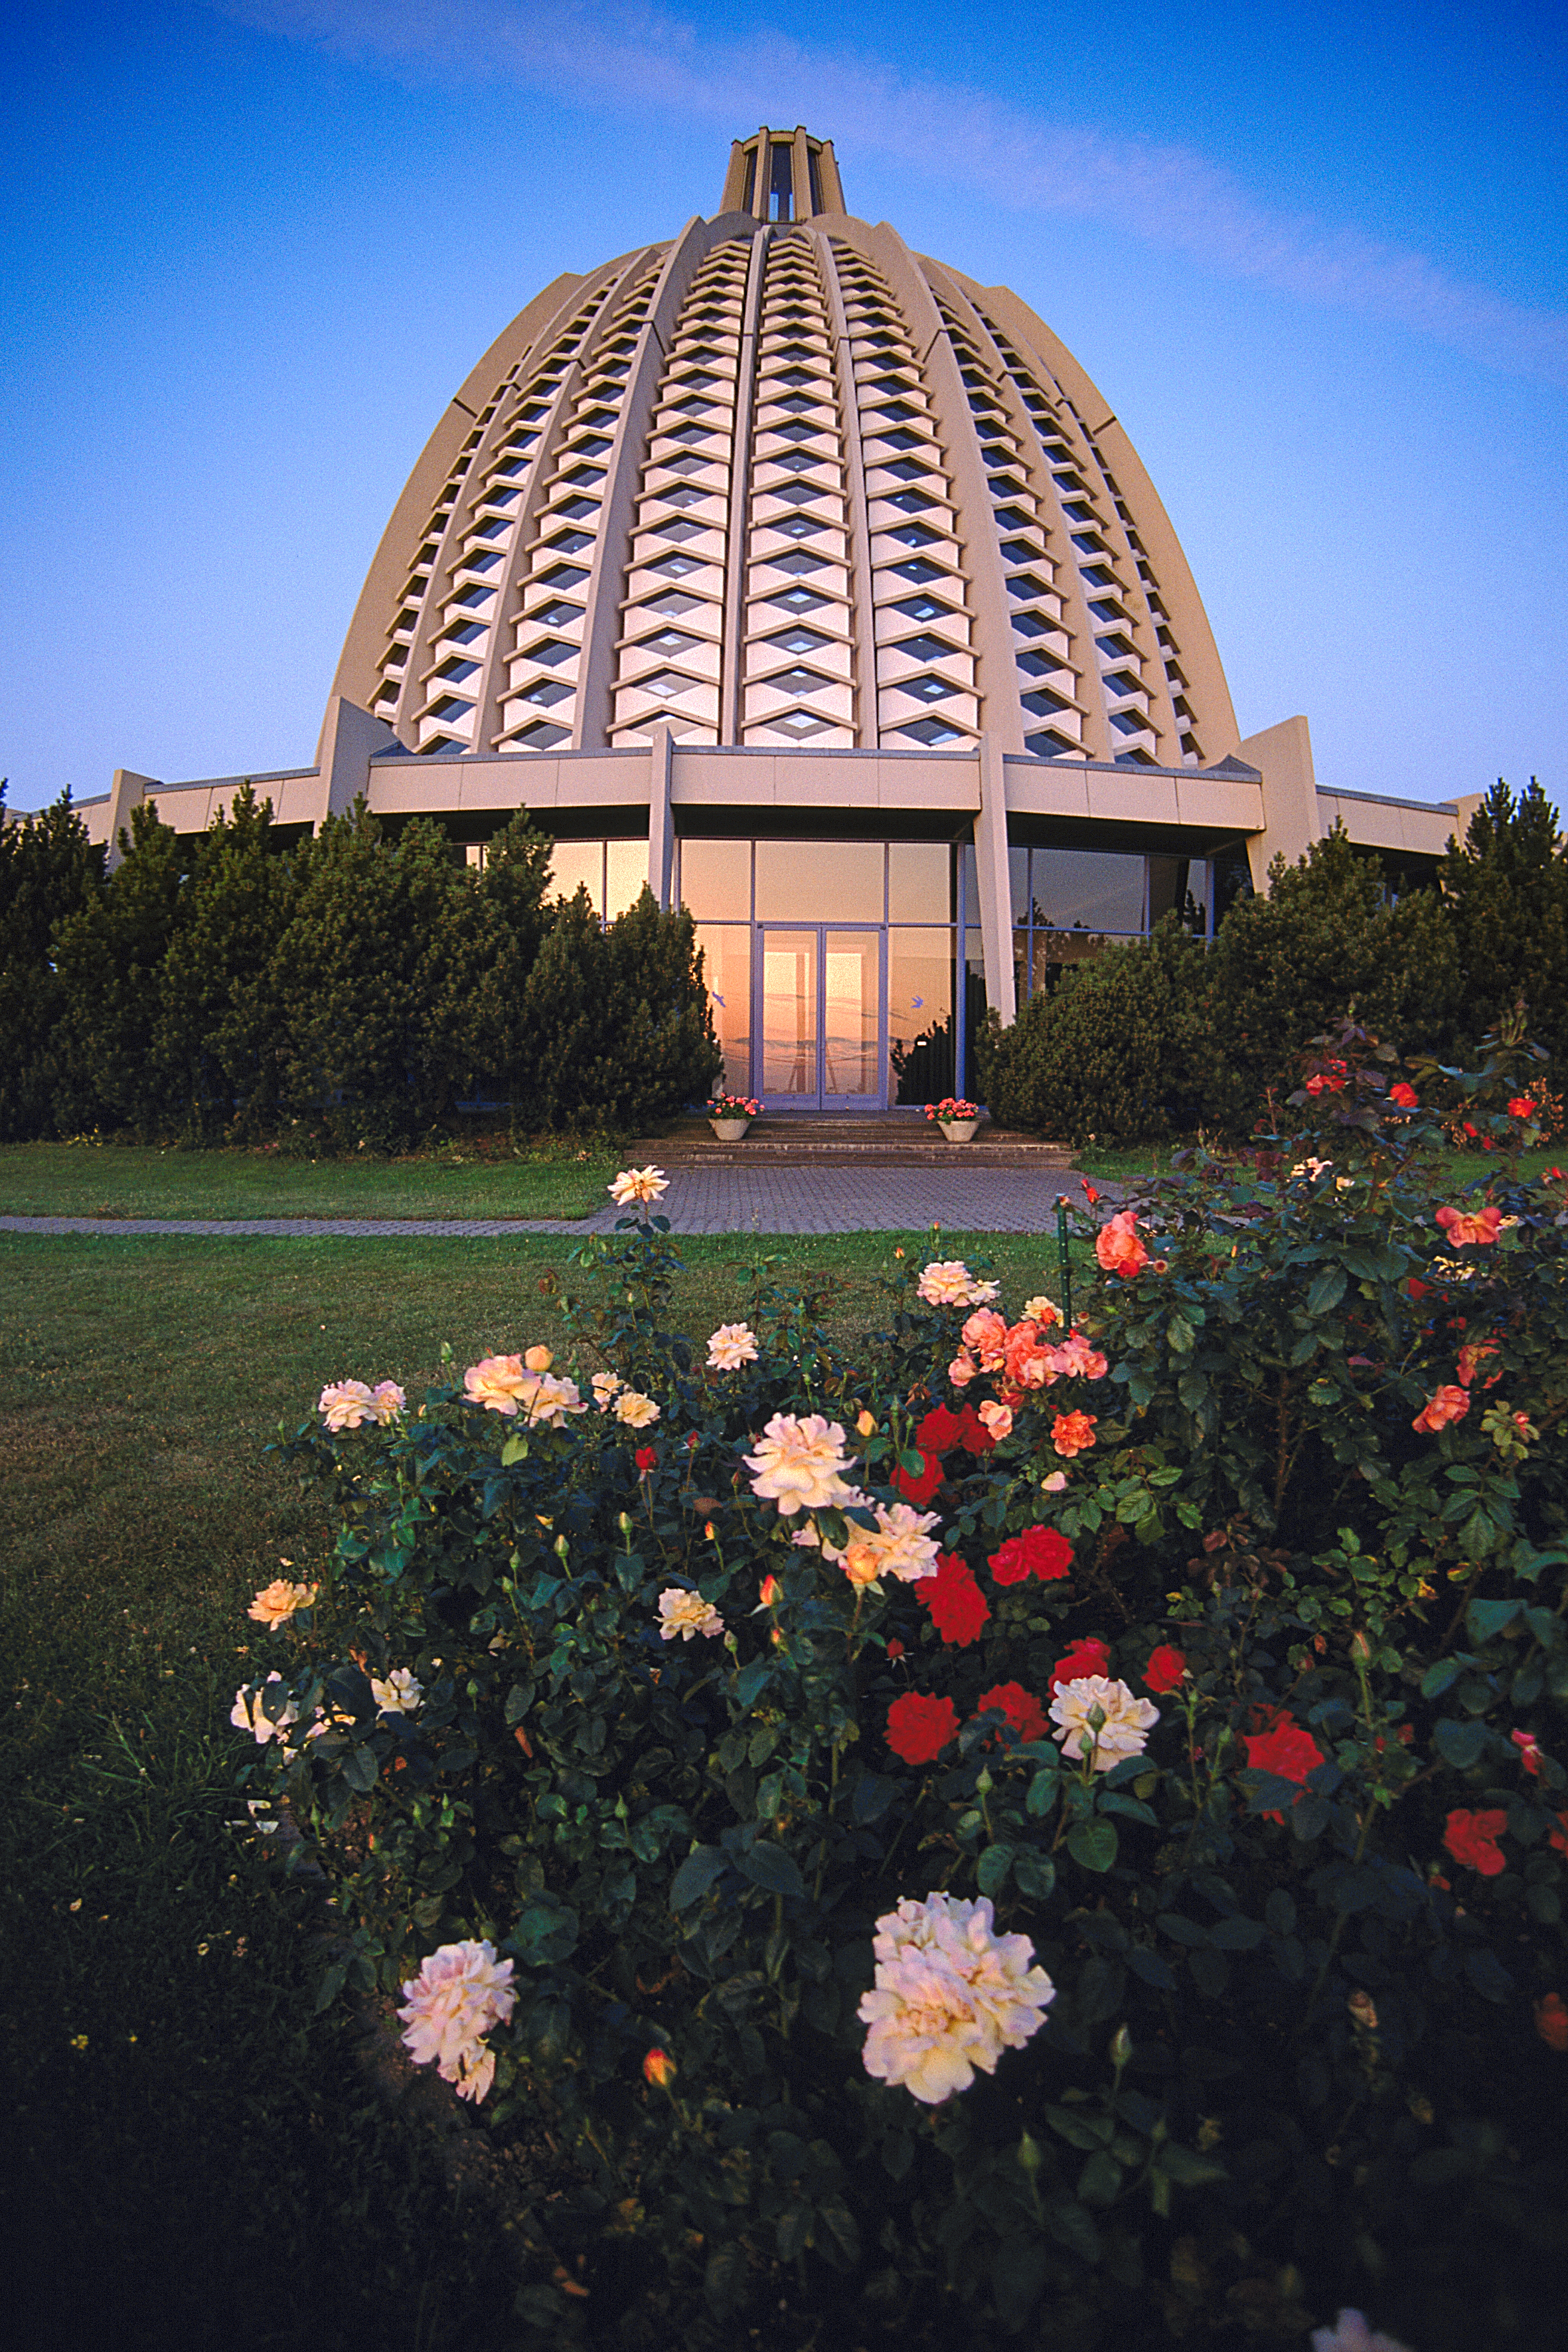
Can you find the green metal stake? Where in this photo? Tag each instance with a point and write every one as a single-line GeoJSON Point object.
{"type": "Point", "coordinates": [1067, 1266]}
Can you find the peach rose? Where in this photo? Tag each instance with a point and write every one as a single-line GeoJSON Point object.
{"type": "Point", "coordinates": [1118, 1247]}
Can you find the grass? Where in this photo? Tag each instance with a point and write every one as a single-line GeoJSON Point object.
{"type": "Point", "coordinates": [1128, 1165]}
{"type": "Point", "coordinates": [71, 1179]}
{"type": "Point", "coordinates": [194, 2157]}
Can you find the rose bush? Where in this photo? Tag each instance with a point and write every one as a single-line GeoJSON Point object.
{"type": "Point", "coordinates": [1221, 1761]}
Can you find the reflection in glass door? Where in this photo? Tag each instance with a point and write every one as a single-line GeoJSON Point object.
{"type": "Point", "coordinates": [821, 1019]}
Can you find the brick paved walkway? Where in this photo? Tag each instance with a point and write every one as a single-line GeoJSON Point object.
{"type": "Point", "coordinates": [700, 1201]}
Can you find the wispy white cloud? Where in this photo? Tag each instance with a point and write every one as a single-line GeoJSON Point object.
{"type": "Point", "coordinates": [640, 59]}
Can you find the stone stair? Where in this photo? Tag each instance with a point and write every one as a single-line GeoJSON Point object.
{"type": "Point", "coordinates": [863, 1140]}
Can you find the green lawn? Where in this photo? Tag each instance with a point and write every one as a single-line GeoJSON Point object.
{"type": "Point", "coordinates": [1137, 1161]}
{"type": "Point", "coordinates": [192, 2156]}
{"type": "Point", "coordinates": [70, 1179]}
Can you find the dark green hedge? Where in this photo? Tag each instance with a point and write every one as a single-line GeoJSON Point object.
{"type": "Point", "coordinates": [355, 988]}
{"type": "Point", "coordinates": [1161, 1036]}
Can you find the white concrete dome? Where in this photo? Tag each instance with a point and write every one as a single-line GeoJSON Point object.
{"type": "Point", "coordinates": [779, 484]}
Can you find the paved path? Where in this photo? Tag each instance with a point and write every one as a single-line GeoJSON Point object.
{"type": "Point", "coordinates": [700, 1201]}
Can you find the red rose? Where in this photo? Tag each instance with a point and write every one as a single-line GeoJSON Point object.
{"type": "Point", "coordinates": [1021, 1707]}
{"type": "Point", "coordinates": [940, 1431]}
{"type": "Point", "coordinates": [895, 1652]}
{"type": "Point", "coordinates": [1086, 1658]}
{"type": "Point", "coordinates": [1552, 2021]}
{"type": "Point", "coordinates": [919, 1728]}
{"type": "Point", "coordinates": [958, 1607]}
{"type": "Point", "coordinates": [920, 1490]}
{"type": "Point", "coordinates": [1404, 1096]}
{"type": "Point", "coordinates": [1521, 1108]}
{"type": "Point", "coordinates": [646, 1458]}
{"type": "Point", "coordinates": [1472, 1839]}
{"type": "Point", "coordinates": [976, 1437]}
{"type": "Point", "coordinates": [1285, 1750]}
{"type": "Point", "coordinates": [1044, 1552]}
{"type": "Point", "coordinates": [1165, 1669]}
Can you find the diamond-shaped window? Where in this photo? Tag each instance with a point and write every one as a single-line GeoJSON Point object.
{"type": "Point", "coordinates": [934, 733]}
{"type": "Point", "coordinates": [682, 495]}
{"type": "Point", "coordinates": [918, 571]}
{"type": "Point", "coordinates": [800, 724]}
{"type": "Point", "coordinates": [542, 736]}
{"type": "Point", "coordinates": [925, 647]}
{"type": "Point", "coordinates": [551, 652]}
{"type": "Point", "coordinates": [920, 608]}
{"type": "Point", "coordinates": [799, 640]}
{"type": "Point", "coordinates": [576, 510]}
{"type": "Point", "coordinates": [798, 600]}
{"type": "Point", "coordinates": [548, 690]}
{"type": "Point", "coordinates": [926, 690]}
{"type": "Point", "coordinates": [1122, 681]}
{"type": "Point", "coordinates": [450, 706]}
{"type": "Point", "coordinates": [456, 670]}
{"type": "Point", "coordinates": [581, 477]}
{"type": "Point", "coordinates": [793, 494]}
{"type": "Point", "coordinates": [794, 430]}
{"type": "Point", "coordinates": [666, 682]}
{"type": "Point", "coordinates": [799, 680]}
{"type": "Point", "coordinates": [557, 615]}
{"type": "Point", "coordinates": [670, 642]}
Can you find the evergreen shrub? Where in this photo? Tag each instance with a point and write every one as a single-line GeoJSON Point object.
{"type": "Point", "coordinates": [1104, 1053]}
{"type": "Point", "coordinates": [616, 1781]}
{"type": "Point", "coordinates": [48, 872]}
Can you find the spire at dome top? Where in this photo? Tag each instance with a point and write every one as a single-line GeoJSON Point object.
{"type": "Point", "coordinates": [781, 175]}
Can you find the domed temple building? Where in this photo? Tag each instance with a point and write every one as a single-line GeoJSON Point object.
{"type": "Point", "coordinates": [816, 586]}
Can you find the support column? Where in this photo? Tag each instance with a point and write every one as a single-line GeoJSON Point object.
{"type": "Point", "coordinates": [994, 881]}
{"type": "Point", "coordinates": [1290, 820]}
{"type": "Point", "coordinates": [350, 738]}
{"type": "Point", "coordinates": [127, 791]}
{"type": "Point", "coordinates": [660, 830]}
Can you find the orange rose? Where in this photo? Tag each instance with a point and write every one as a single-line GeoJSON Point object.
{"type": "Point", "coordinates": [1072, 1432]}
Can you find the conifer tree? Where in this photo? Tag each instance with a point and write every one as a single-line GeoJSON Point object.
{"type": "Point", "coordinates": [109, 956]}
{"type": "Point", "coordinates": [48, 871]}
{"type": "Point", "coordinates": [1506, 889]}
{"type": "Point", "coordinates": [359, 976]}
{"type": "Point", "coordinates": [220, 1038]}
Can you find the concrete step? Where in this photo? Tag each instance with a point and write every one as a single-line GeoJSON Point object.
{"type": "Point", "coordinates": [889, 1141]}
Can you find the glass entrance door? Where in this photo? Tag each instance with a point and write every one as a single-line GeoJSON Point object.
{"type": "Point", "coordinates": [821, 1017]}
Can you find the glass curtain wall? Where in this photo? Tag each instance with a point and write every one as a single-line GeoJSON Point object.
{"type": "Point", "coordinates": [839, 1019]}
{"type": "Point", "coordinates": [1068, 905]}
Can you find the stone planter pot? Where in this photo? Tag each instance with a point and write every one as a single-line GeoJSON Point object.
{"type": "Point", "coordinates": [959, 1130]}
{"type": "Point", "coordinates": [729, 1130]}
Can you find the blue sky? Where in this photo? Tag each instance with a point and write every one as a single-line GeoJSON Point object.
{"type": "Point", "coordinates": [1317, 259]}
